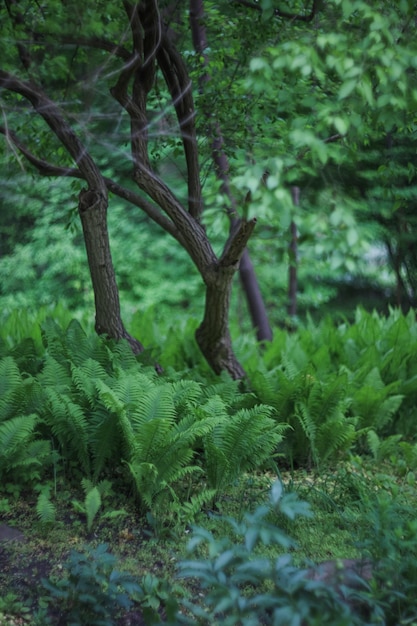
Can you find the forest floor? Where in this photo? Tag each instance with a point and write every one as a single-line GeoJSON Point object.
{"type": "Point", "coordinates": [31, 552]}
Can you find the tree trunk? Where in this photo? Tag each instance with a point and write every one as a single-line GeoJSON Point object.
{"type": "Point", "coordinates": [213, 335]}
{"type": "Point", "coordinates": [93, 213]}
{"type": "Point", "coordinates": [293, 251]}
{"type": "Point", "coordinates": [254, 298]}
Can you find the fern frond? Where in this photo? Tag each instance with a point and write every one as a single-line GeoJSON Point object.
{"type": "Point", "coordinates": [33, 454]}
{"type": "Point", "coordinates": [121, 356]}
{"type": "Point", "coordinates": [107, 438]}
{"type": "Point", "coordinates": [336, 435]}
{"type": "Point", "coordinates": [109, 398]}
{"type": "Point", "coordinates": [80, 347]}
{"type": "Point", "coordinates": [45, 508]}
{"type": "Point", "coordinates": [157, 403]}
{"type": "Point", "coordinates": [69, 425]}
{"type": "Point", "coordinates": [193, 507]}
{"type": "Point", "coordinates": [306, 420]}
{"type": "Point", "coordinates": [186, 394]}
{"type": "Point", "coordinates": [85, 376]}
{"type": "Point", "coordinates": [92, 505]}
{"type": "Point", "coordinates": [56, 375]}
{"type": "Point", "coordinates": [227, 390]}
{"type": "Point", "coordinates": [11, 395]}
{"type": "Point", "coordinates": [242, 442]}
{"type": "Point", "coordinates": [15, 434]}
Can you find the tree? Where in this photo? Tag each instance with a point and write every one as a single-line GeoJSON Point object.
{"type": "Point", "coordinates": [151, 48]}
{"type": "Point", "coordinates": [313, 94]}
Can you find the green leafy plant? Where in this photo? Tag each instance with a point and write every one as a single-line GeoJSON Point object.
{"type": "Point", "coordinates": [93, 500]}
{"type": "Point", "coordinates": [11, 605]}
{"type": "Point", "coordinates": [238, 442]}
{"type": "Point", "coordinates": [390, 542]}
{"type": "Point", "coordinates": [45, 508]}
{"type": "Point", "coordinates": [240, 587]}
{"type": "Point", "coordinates": [94, 591]}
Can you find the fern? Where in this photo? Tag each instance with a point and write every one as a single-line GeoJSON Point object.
{"type": "Point", "coordinates": [15, 433]}
{"type": "Point", "coordinates": [92, 505]}
{"type": "Point", "coordinates": [382, 449]}
{"type": "Point", "coordinates": [69, 426]}
{"type": "Point", "coordinates": [55, 375]}
{"type": "Point", "coordinates": [84, 379]}
{"type": "Point", "coordinates": [240, 443]}
{"type": "Point", "coordinates": [157, 403]}
{"type": "Point", "coordinates": [372, 400]}
{"type": "Point", "coordinates": [45, 508]}
{"type": "Point", "coordinates": [106, 442]}
{"type": "Point", "coordinates": [10, 388]}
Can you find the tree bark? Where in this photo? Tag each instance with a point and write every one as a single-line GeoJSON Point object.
{"type": "Point", "coordinates": [93, 214]}
{"type": "Point", "coordinates": [150, 46]}
{"type": "Point", "coordinates": [213, 334]}
{"type": "Point", "coordinates": [293, 251]}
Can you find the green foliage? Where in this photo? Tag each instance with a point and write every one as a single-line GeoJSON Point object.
{"type": "Point", "coordinates": [390, 542]}
{"type": "Point", "coordinates": [94, 495]}
{"type": "Point", "coordinates": [45, 508]}
{"type": "Point", "coordinates": [240, 442]}
{"type": "Point", "coordinates": [100, 408]}
{"type": "Point", "coordinates": [240, 587]}
{"type": "Point", "coordinates": [332, 383]}
{"type": "Point", "coordinates": [94, 591]}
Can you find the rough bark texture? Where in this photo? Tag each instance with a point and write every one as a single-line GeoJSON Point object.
{"type": "Point", "coordinates": [152, 46]}
{"type": "Point", "coordinates": [92, 210]}
{"type": "Point", "coordinates": [213, 336]}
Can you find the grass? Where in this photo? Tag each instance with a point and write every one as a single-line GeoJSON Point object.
{"type": "Point", "coordinates": [337, 497]}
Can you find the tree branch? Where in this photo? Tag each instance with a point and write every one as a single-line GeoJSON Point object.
{"type": "Point", "coordinates": [179, 86]}
{"type": "Point", "coordinates": [53, 116]}
{"type": "Point", "coordinates": [48, 169]}
{"type": "Point", "coordinates": [235, 245]}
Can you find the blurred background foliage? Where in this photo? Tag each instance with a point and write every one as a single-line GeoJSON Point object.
{"type": "Point", "coordinates": [325, 106]}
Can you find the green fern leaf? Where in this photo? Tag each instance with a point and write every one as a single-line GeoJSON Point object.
{"type": "Point", "coordinates": [84, 378]}
{"type": "Point", "coordinates": [45, 509]}
{"type": "Point", "coordinates": [92, 505]}
{"type": "Point", "coordinates": [157, 403]}
{"type": "Point", "coordinates": [11, 391]}
{"type": "Point", "coordinates": [55, 375]}
{"type": "Point", "coordinates": [69, 425]}
{"type": "Point", "coordinates": [15, 434]}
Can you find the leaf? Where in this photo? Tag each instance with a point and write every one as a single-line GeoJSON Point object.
{"type": "Point", "coordinates": [92, 506]}
{"type": "Point", "coordinates": [276, 492]}
{"type": "Point", "coordinates": [347, 88]}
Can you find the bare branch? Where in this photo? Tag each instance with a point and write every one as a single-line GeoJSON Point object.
{"type": "Point", "coordinates": [151, 210]}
